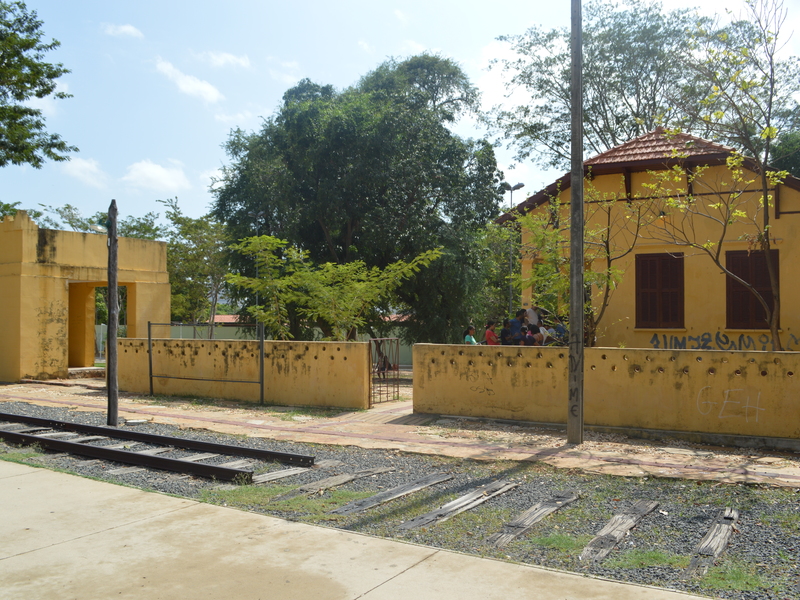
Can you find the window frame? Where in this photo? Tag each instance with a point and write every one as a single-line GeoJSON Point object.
{"type": "Point", "coordinates": [735, 292]}
{"type": "Point", "coordinates": [654, 290]}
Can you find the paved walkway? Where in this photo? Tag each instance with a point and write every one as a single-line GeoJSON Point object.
{"type": "Point", "coordinates": [66, 537]}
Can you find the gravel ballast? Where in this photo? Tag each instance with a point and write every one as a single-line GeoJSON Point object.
{"type": "Point", "coordinates": [760, 562]}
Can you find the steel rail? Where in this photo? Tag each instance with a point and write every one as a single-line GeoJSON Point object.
{"type": "Point", "coordinates": [131, 458]}
{"type": "Point", "coordinates": [300, 460]}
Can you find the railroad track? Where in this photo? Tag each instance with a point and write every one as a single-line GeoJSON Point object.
{"type": "Point", "coordinates": [150, 450]}
{"type": "Point", "coordinates": [142, 449]}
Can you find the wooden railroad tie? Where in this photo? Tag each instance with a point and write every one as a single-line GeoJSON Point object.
{"type": "Point", "coordinates": [610, 535]}
{"type": "Point", "coordinates": [398, 492]}
{"type": "Point", "coordinates": [714, 542]}
{"type": "Point", "coordinates": [523, 523]}
{"type": "Point", "coordinates": [331, 482]}
{"type": "Point", "coordinates": [459, 505]}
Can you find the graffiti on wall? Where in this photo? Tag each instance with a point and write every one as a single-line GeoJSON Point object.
{"type": "Point", "coordinates": [733, 403]}
{"type": "Point", "coordinates": [720, 341]}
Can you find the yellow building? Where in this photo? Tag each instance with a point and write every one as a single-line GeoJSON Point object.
{"type": "Point", "coordinates": [660, 201]}
{"type": "Point", "coordinates": [47, 299]}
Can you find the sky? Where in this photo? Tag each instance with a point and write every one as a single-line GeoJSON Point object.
{"type": "Point", "coordinates": [158, 86]}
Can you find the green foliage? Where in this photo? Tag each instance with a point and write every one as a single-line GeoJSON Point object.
{"type": "Point", "coordinates": [612, 230]}
{"type": "Point", "coordinates": [372, 174]}
{"type": "Point", "coordinates": [337, 295]}
{"type": "Point", "coordinates": [633, 65]}
{"type": "Point", "coordinates": [24, 75]}
{"type": "Point", "coordinates": [196, 255]}
{"type": "Point", "coordinates": [786, 153]}
{"type": "Point", "coordinates": [68, 216]}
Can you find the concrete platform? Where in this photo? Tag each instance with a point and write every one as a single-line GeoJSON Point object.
{"type": "Point", "coordinates": [66, 537]}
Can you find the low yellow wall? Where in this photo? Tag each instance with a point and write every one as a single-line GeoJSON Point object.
{"type": "Point", "coordinates": [296, 373]}
{"type": "Point", "coordinates": [731, 393]}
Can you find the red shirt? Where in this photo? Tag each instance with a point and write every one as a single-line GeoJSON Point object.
{"type": "Point", "coordinates": [491, 338]}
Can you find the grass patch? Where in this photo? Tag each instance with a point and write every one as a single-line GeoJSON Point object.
{"type": "Point", "coordinates": [19, 455]}
{"type": "Point", "coordinates": [734, 575]}
{"type": "Point", "coordinates": [638, 559]}
{"type": "Point", "coordinates": [788, 521]}
{"type": "Point", "coordinates": [257, 497]}
{"type": "Point", "coordinates": [562, 543]}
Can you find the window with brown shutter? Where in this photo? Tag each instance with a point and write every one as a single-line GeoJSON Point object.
{"type": "Point", "coordinates": [659, 291]}
{"type": "Point", "coordinates": [744, 311]}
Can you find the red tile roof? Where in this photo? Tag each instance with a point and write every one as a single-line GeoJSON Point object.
{"type": "Point", "coordinates": [655, 150]}
{"type": "Point", "coordinates": [658, 145]}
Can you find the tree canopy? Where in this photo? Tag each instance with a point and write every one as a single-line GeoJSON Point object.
{"type": "Point", "coordinates": [24, 74]}
{"type": "Point", "coordinates": [634, 55]}
{"type": "Point", "coordinates": [372, 173]}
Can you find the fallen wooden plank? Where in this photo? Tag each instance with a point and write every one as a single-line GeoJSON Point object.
{"type": "Point", "coordinates": [331, 482]}
{"type": "Point", "coordinates": [392, 494]}
{"type": "Point", "coordinates": [327, 463]}
{"type": "Point", "coordinates": [610, 535]}
{"type": "Point", "coordinates": [713, 543]}
{"type": "Point", "coordinates": [280, 474]}
{"type": "Point", "coordinates": [459, 505]}
{"type": "Point", "coordinates": [523, 523]}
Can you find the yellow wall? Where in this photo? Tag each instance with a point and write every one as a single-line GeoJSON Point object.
{"type": "Point", "coordinates": [733, 393]}
{"type": "Point", "coordinates": [704, 284]}
{"type": "Point", "coordinates": [296, 373]}
{"type": "Point", "coordinates": [47, 281]}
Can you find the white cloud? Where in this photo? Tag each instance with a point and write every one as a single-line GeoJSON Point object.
{"type": "Point", "coordinates": [401, 16]}
{"type": "Point", "coordinates": [286, 72]}
{"type": "Point", "coordinates": [86, 170]}
{"type": "Point", "coordinates": [236, 119]}
{"type": "Point", "coordinates": [366, 47]}
{"type": "Point", "coordinates": [412, 47]}
{"type": "Point", "coordinates": [189, 84]}
{"type": "Point", "coordinates": [224, 59]}
{"type": "Point", "coordinates": [122, 30]}
{"type": "Point", "coordinates": [207, 178]}
{"type": "Point", "coordinates": [148, 175]}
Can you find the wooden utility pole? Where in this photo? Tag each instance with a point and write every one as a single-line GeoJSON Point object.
{"type": "Point", "coordinates": [576, 294]}
{"type": "Point", "coordinates": [112, 384]}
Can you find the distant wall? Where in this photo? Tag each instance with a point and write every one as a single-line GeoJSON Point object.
{"type": "Point", "coordinates": [296, 373]}
{"type": "Point", "coordinates": [714, 392]}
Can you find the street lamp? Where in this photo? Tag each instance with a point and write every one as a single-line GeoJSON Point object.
{"type": "Point", "coordinates": [256, 216]}
{"type": "Point", "coordinates": [511, 188]}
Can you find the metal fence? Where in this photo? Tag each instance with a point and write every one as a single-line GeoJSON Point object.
{"type": "Point", "coordinates": [385, 384]}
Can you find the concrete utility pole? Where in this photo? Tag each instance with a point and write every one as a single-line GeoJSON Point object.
{"type": "Point", "coordinates": [113, 319]}
{"type": "Point", "coordinates": [511, 188]}
{"type": "Point", "coordinates": [576, 308]}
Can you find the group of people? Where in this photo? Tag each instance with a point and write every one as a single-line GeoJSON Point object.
{"type": "Point", "coordinates": [525, 329]}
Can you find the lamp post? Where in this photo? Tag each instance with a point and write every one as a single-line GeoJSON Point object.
{"type": "Point", "coordinates": [256, 216]}
{"type": "Point", "coordinates": [511, 188]}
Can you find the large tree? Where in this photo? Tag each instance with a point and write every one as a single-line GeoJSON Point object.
{"type": "Point", "coordinates": [24, 75]}
{"type": "Point", "coordinates": [633, 63]}
{"type": "Point", "coordinates": [372, 173]}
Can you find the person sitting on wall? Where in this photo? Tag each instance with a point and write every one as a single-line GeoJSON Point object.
{"type": "Point", "coordinates": [532, 316]}
{"type": "Point", "coordinates": [505, 333]}
{"type": "Point", "coordinates": [469, 336]}
{"type": "Point", "coordinates": [490, 336]}
{"type": "Point", "coordinates": [516, 327]}
{"type": "Point", "coordinates": [533, 337]}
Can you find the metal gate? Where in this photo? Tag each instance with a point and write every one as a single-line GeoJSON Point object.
{"type": "Point", "coordinates": [385, 384]}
